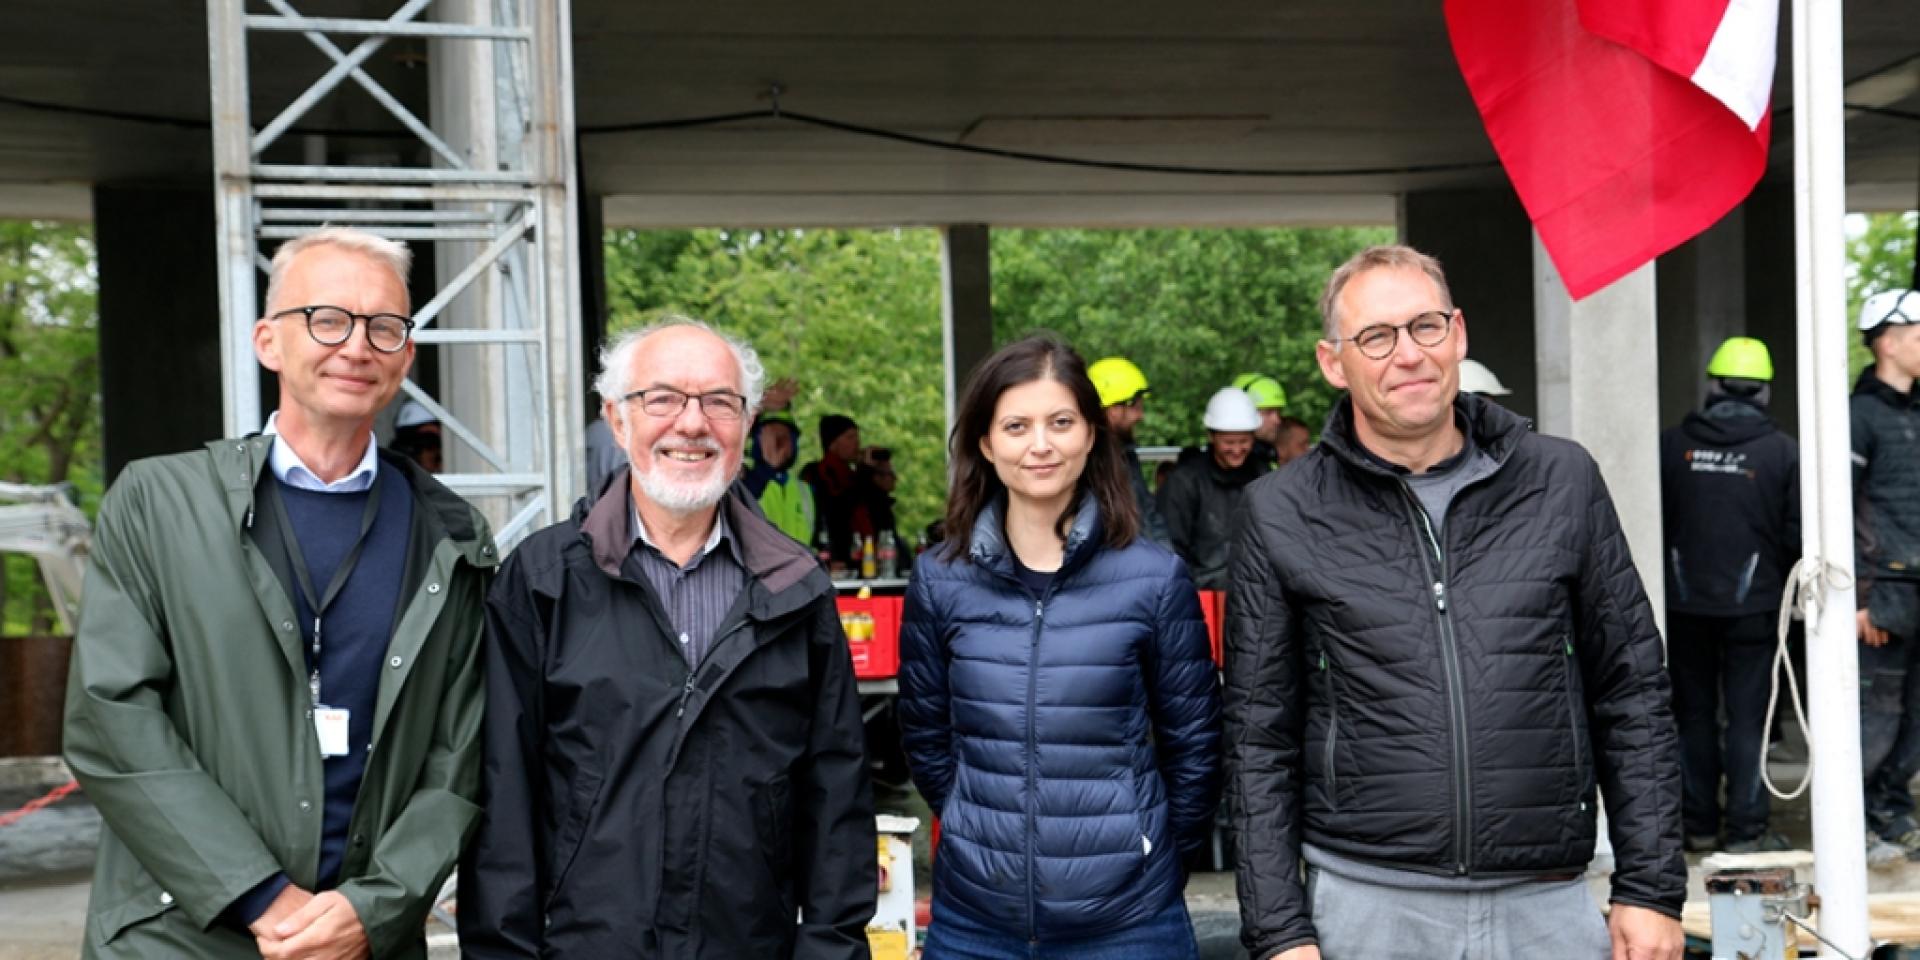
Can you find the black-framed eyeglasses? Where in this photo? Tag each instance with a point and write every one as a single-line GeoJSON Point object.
{"type": "Point", "coordinates": [667, 402]}
{"type": "Point", "coordinates": [331, 326]}
{"type": "Point", "coordinates": [1377, 341]}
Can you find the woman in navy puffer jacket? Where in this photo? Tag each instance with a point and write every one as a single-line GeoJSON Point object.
{"type": "Point", "coordinates": [1059, 706]}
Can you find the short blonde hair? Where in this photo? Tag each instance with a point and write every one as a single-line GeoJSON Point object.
{"type": "Point", "coordinates": [391, 254]}
{"type": "Point", "coordinates": [1385, 256]}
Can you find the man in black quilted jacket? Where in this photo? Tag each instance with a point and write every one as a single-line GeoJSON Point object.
{"type": "Point", "coordinates": [1439, 656]}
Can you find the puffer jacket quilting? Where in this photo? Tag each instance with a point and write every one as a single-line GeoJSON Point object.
{"type": "Point", "coordinates": [1069, 743]}
{"type": "Point", "coordinates": [1344, 658]}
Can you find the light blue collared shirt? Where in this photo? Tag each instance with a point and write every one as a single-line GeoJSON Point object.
{"type": "Point", "coordinates": [292, 471]}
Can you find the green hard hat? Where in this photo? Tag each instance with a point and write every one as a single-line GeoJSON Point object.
{"type": "Point", "coordinates": [1267, 393]}
{"type": "Point", "coordinates": [1742, 358]}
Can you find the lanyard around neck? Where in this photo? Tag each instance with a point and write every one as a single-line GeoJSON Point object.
{"type": "Point", "coordinates": [303, 580]}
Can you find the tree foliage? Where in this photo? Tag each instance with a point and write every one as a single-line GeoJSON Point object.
{"type": "Point", "coordinates": [1193, 308]}
{"type": "Point", "coordinates": [855, 316]}
{"type": "Point", "coordinates": [49, 381]}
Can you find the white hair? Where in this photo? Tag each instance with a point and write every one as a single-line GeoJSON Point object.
{"type": "Point", "coordinates": [616, 358]}
{"type": "Point", "coordinates": [391, 254]}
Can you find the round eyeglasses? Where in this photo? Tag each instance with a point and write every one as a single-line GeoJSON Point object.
{"type": "Point", "coordinates": [331, 326]}
{"type": "Point", "coordinates": [1377, 341]}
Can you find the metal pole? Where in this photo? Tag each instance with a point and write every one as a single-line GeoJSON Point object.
{"type": "Point", "coordinates": [233, 196]}
{"type": "Point", "coordinates": [1833, 666]}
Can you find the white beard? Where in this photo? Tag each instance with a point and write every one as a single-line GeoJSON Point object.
{"type": "Point", "coordinates": [684, 497]}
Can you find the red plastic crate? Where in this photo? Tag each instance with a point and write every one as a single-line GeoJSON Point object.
{"type": "Point", "coordinates": [879, 658]}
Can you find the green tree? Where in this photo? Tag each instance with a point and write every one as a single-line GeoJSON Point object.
{"type": "Point", "coordinates": [1194, 308]}
{"type": "Point", "coordinates": [1879, 258]}
{"type": "Point", "coordinates": [853, 316]}
{"type": "Point", "coordinates": [49, 382]}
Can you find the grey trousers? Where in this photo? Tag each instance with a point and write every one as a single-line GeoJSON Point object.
{"type": "Point", "coordinates": [1549, 920]}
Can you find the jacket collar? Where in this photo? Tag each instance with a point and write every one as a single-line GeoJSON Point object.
{"type": "Point", "coordinates": [991, 552]}
{"type": "Point", "coordinates": [241, 463]}
{"type": "Point", "coordinates": [782, 575]}
{"type": "Point", "coordinates": [1495, 430]}
{"type": "Point", "coordinates": [1877, 388]}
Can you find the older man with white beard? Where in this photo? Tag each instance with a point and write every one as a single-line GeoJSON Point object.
{"type": "Point", "coordinates": [674, 755]}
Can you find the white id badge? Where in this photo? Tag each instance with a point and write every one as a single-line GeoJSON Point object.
{"type": "Point", "coordinates": [331, 724]}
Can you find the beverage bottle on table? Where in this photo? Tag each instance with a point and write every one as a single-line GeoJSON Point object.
{"type": "Point", "coordinates": [889, 555]}
{"type": "Point", "coordinates": [869, 564]}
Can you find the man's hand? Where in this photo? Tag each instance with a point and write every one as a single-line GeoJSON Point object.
{"type": "Point", "coordinates": [286, 904]}
{"type": "Point", "coordinates": [778, 394]}
{"type": "Point", "coordinates": [1871, 635]}
{"type": "Point", "coordinates": [1642, 934]}
{"type": "Point", "coordinates": [325, 928]}
{"type": "Point", "coordinates": [1308, 952]}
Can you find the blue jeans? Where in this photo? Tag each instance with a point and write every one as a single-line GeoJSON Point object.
{"type": "Point", "coordinates": [1167, 936]}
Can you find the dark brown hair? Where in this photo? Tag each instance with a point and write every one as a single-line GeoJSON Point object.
{"type": "Point", "coordinates": [976, 485]}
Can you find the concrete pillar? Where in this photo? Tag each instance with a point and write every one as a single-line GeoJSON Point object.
{"type": "Point", "coordinates": [1701, 297]}
{"type": "Point", "coordinates": [1771, 292]}
{"type": "Point", "coordinates": [593, 294]}
{"type": "Point", "coordinates": [1484, 242]}
{"type": "Point", "coordinates": [1599, 385]}
{"type": "Point", "coordinates": [160, 378]}
{"type": "Point", "coordinates": [966, 305]}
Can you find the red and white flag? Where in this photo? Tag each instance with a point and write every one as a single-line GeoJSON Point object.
{"type": "Point", "coordinates": [1627, 126]}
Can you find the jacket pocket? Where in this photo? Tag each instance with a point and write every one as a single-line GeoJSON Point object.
{"type": "Point", "coordinates": [581, 798]}
{"type": "Point", "coordinates": [1327, 762]}
{"type": "Point", "coordinates": [109, 924]}
{"type": "Point", "coordinates": [773, 820]}
{"type": "Point", "coordinates": [1576, 725]}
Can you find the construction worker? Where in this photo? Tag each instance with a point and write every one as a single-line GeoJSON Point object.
{"type": "Point", "coordinates": [786, 499]}
{"type": "Point", "coordinates": [1201, 498]}
{"type": "Point", "coordinates": [1730, 492]}
{"type": "Point", "coordinates": [1476, 378]}
{"type": "Point", "coordinates": [1886, 496]}
{"type": "Point", "coordinates": [1123, 393]}
{"type": "Point", "coordinates": [1270, 399]}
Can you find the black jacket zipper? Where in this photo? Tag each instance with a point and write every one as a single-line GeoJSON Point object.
{"type": "Point", "coordinates": [1435, 564]}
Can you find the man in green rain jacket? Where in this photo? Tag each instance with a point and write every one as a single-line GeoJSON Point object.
{"type": "Point", "coordinates": [281, 732]}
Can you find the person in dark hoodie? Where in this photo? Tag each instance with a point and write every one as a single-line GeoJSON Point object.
{"type": "Point", "coordinates": [835, 490]}
{"type": "Point", "coordinates": [1886, 496]}
{"type": "Point", "coordinates": [786, 499]}
{"type": "Point", "coordinates": [1202, 495]}
{"type": "Point", "coordinates": [1730, 491]}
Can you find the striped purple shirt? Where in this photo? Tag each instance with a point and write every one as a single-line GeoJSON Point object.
{"type": "Point", "coordinates": [697, 596]}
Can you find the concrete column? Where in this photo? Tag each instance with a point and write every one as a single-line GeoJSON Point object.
{"type": "Point", "coordinates": [593, 294]}
{"type": "Point", "coordinates": [1484, 242]}
{"type": "Point", "coordinates": [1599, 385]}
{"type": "Point", "coordinates": [160, 378]}
{"type": "Point", "coordinates": [1770, 292]}
{"type": "Point", "coordinates": [966, 305]}
{"type": "Point", "coordinates": [1701, 297]}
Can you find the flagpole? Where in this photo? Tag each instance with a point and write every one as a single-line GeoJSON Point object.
{"type": "Point", "coordinates": [1833, 666]}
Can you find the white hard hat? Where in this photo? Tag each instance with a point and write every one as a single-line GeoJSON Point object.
{"type": "Point", "coordinates": [1231, 410]}
{"type": "Point", "coordinates": [1890, 306]}
{"type": "Point", "coordinates": [412, 414]}
{"type": "Point", "coordinates": [1476, 378]}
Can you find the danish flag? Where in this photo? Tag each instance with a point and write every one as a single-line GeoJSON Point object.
{"type": "Point", "coordinates": [1626, 126]}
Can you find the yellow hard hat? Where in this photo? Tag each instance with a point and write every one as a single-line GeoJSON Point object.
{"type": "Point", "coordinates": [1117, 380]}
{"type": "Point", "coordinates": [1742, 358]}
{"type": "Point", "coordinates": [1267, 393]}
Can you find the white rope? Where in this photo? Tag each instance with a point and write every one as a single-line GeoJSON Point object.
{"type": "Point", "coordinates": [1806, 588]}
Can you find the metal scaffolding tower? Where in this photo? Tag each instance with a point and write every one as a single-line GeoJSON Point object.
{"type": "Point", "coordinates": [487, 190]}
